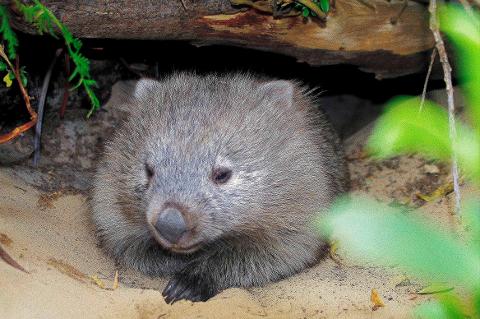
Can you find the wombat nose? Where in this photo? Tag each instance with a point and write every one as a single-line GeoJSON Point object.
{"type": "Point", "coordinates": [171, 224]}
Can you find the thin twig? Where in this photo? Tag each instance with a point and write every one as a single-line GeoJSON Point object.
{"type": "Point", "coordinates": [395, 19]}
{"type": "Point", "coordinates": [368, 4]}
{"type": "Point", "coordinates": [447, 77]}
{"type": "Point", "coordinates": [33, 115]}
{"type": "Point", "coordinates": [66, 87]}
{"type": "Point", "coordinates": [9, 260]}
{"type": "Point", "coordinates": [427, 78]}
{"type": "Point", "coordinates": [129, 68]}
{"type": "Point", "coordinates": [467, 7]}
{"type": "Point", "coordinates": [184, 5]}
{"type": "Point", "coordinates": [41, 108]}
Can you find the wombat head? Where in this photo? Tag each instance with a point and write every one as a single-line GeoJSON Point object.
{"type": "Point", "coordinates": [212, 159]}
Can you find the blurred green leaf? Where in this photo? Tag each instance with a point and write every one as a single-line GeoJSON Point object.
{"type": "Point", "coordinates": [476, 302]}
{"type": "Point", "coordinates": [438, 310]}
{"type": "Point", "coordinates": [471, 220]}
{"type": "Point", "coordinates": [403, 128]}
{"type": "Point", "coordinates": [463, 30]}
{"type": "Point", "coordinates": [374, 232]}
{"type": "Point", "coordinates": [387, 236]}
{"type": "Point", "coordinates": [467, 149]}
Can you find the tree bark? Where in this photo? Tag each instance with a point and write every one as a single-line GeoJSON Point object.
{"type": "Point", "coordinates": [358, 32]}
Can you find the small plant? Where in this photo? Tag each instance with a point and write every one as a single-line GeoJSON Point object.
{"type": "Point", "coordinates": [281, 8]}
{"type": "Point", "coordinates": [391, 236]}
{"type": "Point", "coordinates": [310, 8]}
{"type": "Point", "coordinates": [12, 43]}
{"type": "Point", "coordinates": [46, 22]}
{"type": "Point", "coordinates": [7, 34]}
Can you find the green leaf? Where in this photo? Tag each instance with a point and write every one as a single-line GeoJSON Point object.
{"type": "Point", "coordinates": [93, 99]}
{"type": "Point", "coordinates": [325, 5]}
{"type": "Point", "coordinates": [77, 44]}
{"type": "Point", "coordinates": [390, 237]}
{"type": "Point", "coordinates": [463, 30]}
{"type": "Point", "coordinates": [7, 33]}
{"type": "Point", "coordinates": [3, 66]}
{"type": "Point", "coordinates": [45, 21]}
{"type": "Point", "coordinates": [7, 80]}
{"type": "Point", "coordinates": [403, 128]}
{"type": "Point", "coordinates": [435, 288]}
{"type": "Point", "coordinates": [305, 12]}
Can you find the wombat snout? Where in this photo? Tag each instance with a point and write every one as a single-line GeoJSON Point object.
{"type": "Point", "coordinates": [174, 227]}
{"type": "Point", "coordinates": [171, 224]}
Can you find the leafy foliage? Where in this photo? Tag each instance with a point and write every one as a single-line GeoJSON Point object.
{"type": "Point", "coordinates": [308, 8]}
{"type": "Point", "coordinates": [391, 236]}
{"type": "Point", "coordinates": [463, 31]}
{"type": "Point", "coordinates": [12, 43]}
{"type": "Point", "coordinates": [388, 235]}
{"type": "Point", "coordinates": [404, 128]}
{"type": "Point", "coordinates": [45, 21]}
{"type": "Point", "coordinates": [38, 16]}
{"type": "Point", "coordinates": [8, 35]}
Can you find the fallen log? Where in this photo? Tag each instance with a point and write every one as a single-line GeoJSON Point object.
{"type": "Point", "coordinates": [378, 36]}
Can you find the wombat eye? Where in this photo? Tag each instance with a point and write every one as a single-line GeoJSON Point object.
{"type": "Point", "coordinates": [221, 175]}
{"type": "Point", "coordinates": [149, 172]}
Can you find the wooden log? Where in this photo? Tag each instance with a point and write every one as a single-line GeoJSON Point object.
{"type": "Point", "coordinates": [358, 32]}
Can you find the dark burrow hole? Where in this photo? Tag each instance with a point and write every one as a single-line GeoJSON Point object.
{"type": "Point", "coordinates": [354, 96]}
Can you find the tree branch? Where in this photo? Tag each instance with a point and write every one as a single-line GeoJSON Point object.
{"type": "Point", "coordinates": [447, 77]}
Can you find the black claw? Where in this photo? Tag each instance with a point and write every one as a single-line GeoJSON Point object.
{"type": "Point", "coordinates": [179, 290]}
{"type": "Point", "coordinates": [168, 288]}
{"type": "Point", "coordinates": [187, 295]}
{"type": "Point", "coordinates": [186, 286]}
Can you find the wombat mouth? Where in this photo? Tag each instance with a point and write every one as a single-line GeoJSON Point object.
{"type": "Point", "coordinates": [185, 250]}
{"type": "Point", "coordinates": [186, 245]}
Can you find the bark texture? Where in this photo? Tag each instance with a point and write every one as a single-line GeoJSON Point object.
{"type": "Point", "coordinates": [368, 34]}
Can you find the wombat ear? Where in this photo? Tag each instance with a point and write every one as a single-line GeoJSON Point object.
{"type": "Point", "coordinates": [278, 91]}
{"type": "Point", "coordinates": [133, 90]}
{"type": "Point", "coordinates": [127, 92]}
{"type": "Point", "coordinates": [143, 87]}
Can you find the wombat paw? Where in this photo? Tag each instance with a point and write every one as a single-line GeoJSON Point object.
{"type": "Point", "coordinates": [188, 287]}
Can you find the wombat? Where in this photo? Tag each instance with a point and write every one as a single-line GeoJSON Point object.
{"type": "Point", "coordinates": [215, 180]}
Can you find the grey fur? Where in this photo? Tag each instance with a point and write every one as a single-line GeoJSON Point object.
{"type": "Point", "coordinates": [287, 165]}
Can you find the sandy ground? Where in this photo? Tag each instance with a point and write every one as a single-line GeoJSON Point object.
{"type": "Point", "coordinates": [44, 225]}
